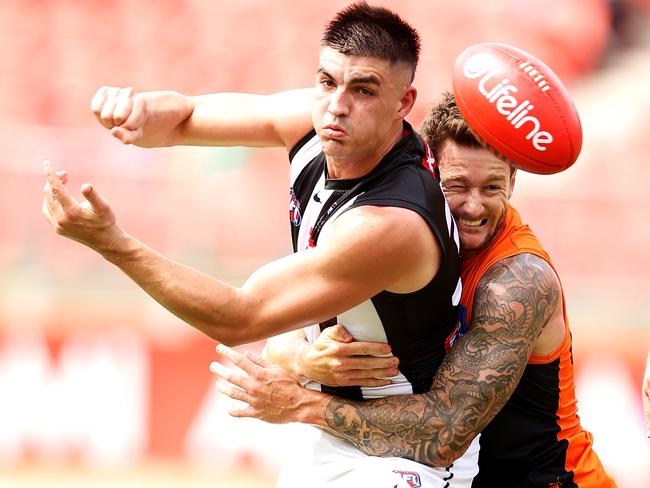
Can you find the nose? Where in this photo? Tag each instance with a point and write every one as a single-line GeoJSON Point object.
{"type": "Point", "coordinates": [473, 204]}
{"type": "Point", "coordinates": [338, 103]}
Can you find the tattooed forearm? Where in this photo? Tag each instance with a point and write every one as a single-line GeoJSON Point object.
{"type": "Point", "coordinates": [512, 303]}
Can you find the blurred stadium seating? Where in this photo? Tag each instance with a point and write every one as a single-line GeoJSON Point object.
{"type": "Point", "coordinates": [100, 382]}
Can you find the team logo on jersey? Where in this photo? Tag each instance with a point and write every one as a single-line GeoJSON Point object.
{"type": "Point", "coordinates": [429, 162]}
{"type": "Point", "coordinates": [411, 478]}
{"type": "Point", "coordinates": [462, 326]}
{"type": "Point", "coordinates": [294, 209]}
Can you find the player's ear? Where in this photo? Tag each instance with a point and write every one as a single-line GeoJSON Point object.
{"type": "Point", "coordinates": [406, 101]}
{"type": "Point", "coordinates": [513, 174]}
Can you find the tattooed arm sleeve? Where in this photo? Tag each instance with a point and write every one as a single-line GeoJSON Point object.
{"type": "Point", "coordinates": [513, 301]}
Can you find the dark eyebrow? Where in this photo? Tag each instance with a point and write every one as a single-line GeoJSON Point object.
{"type": "Point", "coordinates": [366, 79]}
{"type": "Point", "coordinates": [453, 179]}
{"type": "Point", "coordinates": [372, 79]}
{"type": "Point", "coordinates": [494, 177]}
{"type": "Point", "coordinates": [324, 72]}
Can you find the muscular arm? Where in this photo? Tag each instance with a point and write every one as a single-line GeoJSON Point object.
{"type": "Point", "coordinates": [368, 250]}
{"type": "Point", "coordinates": [513, 302]}
{"type": "Point", "coordinates": [167, 118]}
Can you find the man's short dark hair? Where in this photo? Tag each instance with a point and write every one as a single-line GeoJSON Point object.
{"type": "Point", "coordinates": [444, 122]}
{"type": "Point", "coordinates": [362, 30]}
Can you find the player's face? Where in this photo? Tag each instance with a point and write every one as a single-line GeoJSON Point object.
{"type": "Point", "coordinates": [359, 103]}
{"type": "Point", "coordinates": [477, 185]}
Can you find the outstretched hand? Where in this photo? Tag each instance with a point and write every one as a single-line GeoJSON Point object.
{"type": "Point", "coordinates": [91, 222]}
{"type": "Point", "coordinates": [268, 392]}
{"type": "Point", "coordinates": [121, 111]}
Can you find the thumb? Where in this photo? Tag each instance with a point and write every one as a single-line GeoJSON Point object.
{"type": "Point", "coordinates": [260, 361]}
{"type": "Point", "coordinates": [127, 136]}
{"type": "Point", "coordinates": [97, 202]}
{"type": "Point", "coordinates": [339, 333]}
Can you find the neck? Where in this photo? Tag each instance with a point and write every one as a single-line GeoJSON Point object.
{"type": "Point", "coordinates": [350, 168]}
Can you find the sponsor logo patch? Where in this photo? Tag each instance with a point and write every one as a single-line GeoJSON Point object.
{"type": "Point", "coordinates": [412, 478]}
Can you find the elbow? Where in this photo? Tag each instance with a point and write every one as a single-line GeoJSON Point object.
{"type": "Point", "coordinates": [245, 330]}
{"type": "Point", "coordinates": [439, 460]}
{"type": "Point", "coordinates": [441, 456]}
{"type": "Point", "coordinates": [230, 336]}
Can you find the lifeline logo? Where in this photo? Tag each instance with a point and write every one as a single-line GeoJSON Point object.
{"type": "Point", "coordinates": [483, 66]}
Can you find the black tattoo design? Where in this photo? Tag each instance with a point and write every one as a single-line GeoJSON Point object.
{"type": "Point", "coordinates": [513, 301]}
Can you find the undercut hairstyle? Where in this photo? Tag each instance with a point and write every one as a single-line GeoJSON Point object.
{"type": "Point", "coordinates": [444, 122]}
{"type": "Point", "coordinates": [362, 30]}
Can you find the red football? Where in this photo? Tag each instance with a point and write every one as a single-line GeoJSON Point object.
{"type": "Point", "coordinates": [517, 107]}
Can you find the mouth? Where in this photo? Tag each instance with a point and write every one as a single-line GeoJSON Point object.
{"type": "Point", "coordinates": [333, 131]}
{"type": "Point", "coordinates": [473, 223]}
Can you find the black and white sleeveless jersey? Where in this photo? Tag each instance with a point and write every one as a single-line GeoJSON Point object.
{"type": "Point", "coordinates": [419, 326]}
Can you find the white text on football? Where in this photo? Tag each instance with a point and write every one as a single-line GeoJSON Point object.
{"type": "Point", "coordinates": [500, 96]}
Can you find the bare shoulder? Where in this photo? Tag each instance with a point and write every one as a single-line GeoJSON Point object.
{"type": "Point", "coordinates": [386, 224]}
{"type": "Point", "coordinates": [398, 241]}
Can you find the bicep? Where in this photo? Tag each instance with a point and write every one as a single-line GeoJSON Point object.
{"type": "Point", "coordinates": [240, 119]}
{"type": "Point", "coordinates": [311, 286]}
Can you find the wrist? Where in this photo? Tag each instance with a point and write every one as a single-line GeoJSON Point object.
{"type": "Point", "coordinates": [116, 246]}
{"type": "Point", "coordinates": [312, 407]}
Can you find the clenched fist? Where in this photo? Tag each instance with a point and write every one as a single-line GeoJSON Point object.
{"type": "Point", "coordinates": [121, 111]}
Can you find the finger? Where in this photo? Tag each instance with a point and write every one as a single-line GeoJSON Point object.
{"type": "Point", "coordinates": [237, 359]}
{"type": "Point", "coordinates": [57, 192]}
{"type": "Point", "coordinates": [62, 175]}
{"type": "Point", "coordinates": [137, 115]}
{"type": "Point", "coordinates": [98, 203]}
{"type": "Point", "coordinates": [258, 360]}
{"type": "Point", "coordinates": [382, 373]}
{"type": "Point", "coordinates": [127, 136]}
{"type": "Point", "coordinates": [106, 115]}
{"type": "Point", "coordinates": [123, 106]}
{"type": "Point", "coordinates": [45, 210]}
{"type": "Point", "coordinates": [50, 206]}
{"type": "Point", "coordinates": [368, 382]}
{"type": "Point", "coordinates": [366, 349]}
{"type": "Point", "coordinates": [242, 412]}
{"type": "Point", "coordinates": [338, 333]}
{"type": "Point", "coordinates": [231, 391]}
{"type": "Point", "coordinates": [227, 374]}
{"type": "Point", "coordinates": [365, 365]}
{"type": "Point", "coordinates": [97, 102]}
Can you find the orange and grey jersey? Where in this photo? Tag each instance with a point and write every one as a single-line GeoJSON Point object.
{"type": "Point", "coordinates": [416, 325]}
{"type": "Point", "coordinates": [536, 440]}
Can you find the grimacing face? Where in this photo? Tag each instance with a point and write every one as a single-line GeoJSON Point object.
{"type": "Point", "coordinates": [478, 186]}
{"type": "Point", "coordinates": [359, 103]}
